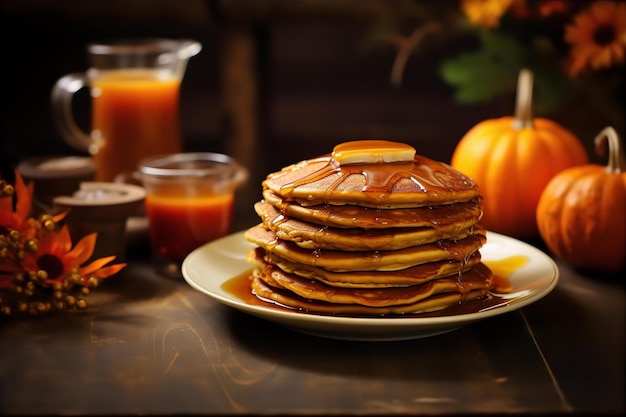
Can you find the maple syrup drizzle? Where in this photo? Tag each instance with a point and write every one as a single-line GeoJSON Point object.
{"type": "Point", "coordinates": [380, 178]}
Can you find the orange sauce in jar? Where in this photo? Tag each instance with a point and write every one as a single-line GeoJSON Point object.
{"type": "Point", "coordinates": [178, 224]}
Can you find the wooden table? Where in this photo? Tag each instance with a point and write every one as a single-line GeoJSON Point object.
{"type": "Point", "coordinates": [153, 345]}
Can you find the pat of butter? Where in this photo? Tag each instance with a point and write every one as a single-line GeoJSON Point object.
{"type": "Point", "coordinates": [372, 152]}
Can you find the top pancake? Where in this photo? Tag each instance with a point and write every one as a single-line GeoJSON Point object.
{"type": "Point", "coordinates": [416, 183]}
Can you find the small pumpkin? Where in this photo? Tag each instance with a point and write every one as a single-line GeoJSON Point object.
{"type": "Point", "coordinates": [581, 214]}
{"type": "Point", "coordinates": [512, 158]}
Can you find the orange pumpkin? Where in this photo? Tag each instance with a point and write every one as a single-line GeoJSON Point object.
{"type": "Point", "coordinates": [582, 211]}
{"type": "Point", "coordinates": [512, 159]}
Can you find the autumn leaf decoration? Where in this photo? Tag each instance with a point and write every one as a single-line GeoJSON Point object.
{"type": "Point", "coordinates": [40, 270]}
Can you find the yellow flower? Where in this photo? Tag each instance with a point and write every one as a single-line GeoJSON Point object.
{"type": "Point", "coordinates": [597, 37]}
{"type": "Point", "coordinates": [485, 13]}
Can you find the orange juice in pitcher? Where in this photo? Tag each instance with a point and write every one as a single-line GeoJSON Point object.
{"type": "Point", "coordinates": [135, 115]}
{"type": "Point", "coordinates": [135, 87]}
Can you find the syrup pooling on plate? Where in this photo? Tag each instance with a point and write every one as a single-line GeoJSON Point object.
{"type": "Point", "coordinates": [213, 269]}
{"type": "Point", "coordinates": [502, 269]}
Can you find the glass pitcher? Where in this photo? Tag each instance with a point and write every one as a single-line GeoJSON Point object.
{"type": "Point", "coordinates": [134, 87]}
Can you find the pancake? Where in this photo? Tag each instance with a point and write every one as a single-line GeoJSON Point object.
{"type": "Point", "coordinates": [404, 183]}
{"type": "Point", "coordinates": [378, 260]}
{"type": "Point", "coordinates": [289, 299]}
{"type": "Point", "coordinates": [371, 218]}
{"type": "Point", "coordinates": [365, 279]}
{"type": "Point", "coordinates": [477, 279]}
{"type": "Point", "coordinates": [321, 236]}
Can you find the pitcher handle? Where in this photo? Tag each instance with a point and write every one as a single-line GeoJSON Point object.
{"type": "Point", "coordinates": [61, 101]}
{"type": "Point", "coordinates": [189, 48]}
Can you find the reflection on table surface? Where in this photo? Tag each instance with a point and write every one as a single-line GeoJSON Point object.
{"type": "Point", "coordinates": [149, 344]}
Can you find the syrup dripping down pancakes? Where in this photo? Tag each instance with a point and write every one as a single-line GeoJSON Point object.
{"type": "Point", "coordinates": [371, 229]}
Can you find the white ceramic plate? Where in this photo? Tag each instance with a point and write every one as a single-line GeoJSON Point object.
{"type": "Point", "coordinates": [209, 266]}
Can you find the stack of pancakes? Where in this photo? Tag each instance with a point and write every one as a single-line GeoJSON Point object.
{"type": "Point", "coordinates": [370, 229]}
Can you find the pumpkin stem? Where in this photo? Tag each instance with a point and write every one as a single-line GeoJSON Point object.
{"type": "Point", "coordinates": [524, 100]}
{"type": "Point", "coordinates": [617, 161]}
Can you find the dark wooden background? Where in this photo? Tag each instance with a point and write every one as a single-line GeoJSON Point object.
{"type": "Point", "coordinates": [276, 82]}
